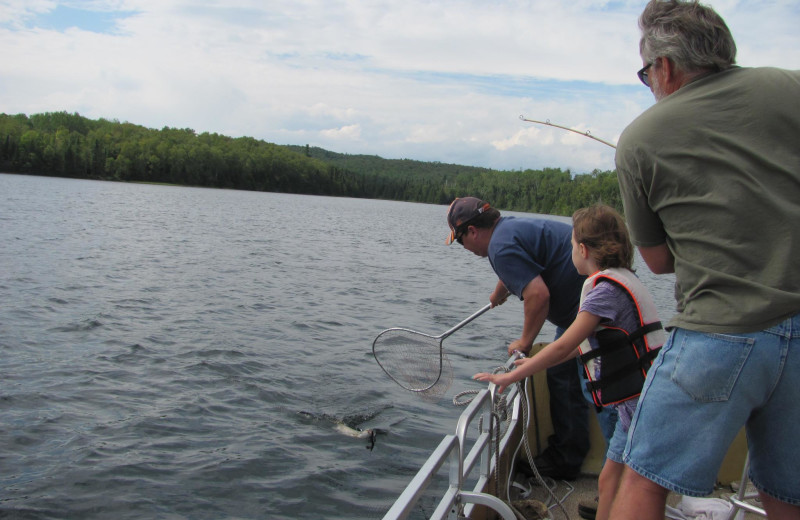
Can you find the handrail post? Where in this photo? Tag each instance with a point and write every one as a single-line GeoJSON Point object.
{"type": "Point", "coordinates": [453, 447]}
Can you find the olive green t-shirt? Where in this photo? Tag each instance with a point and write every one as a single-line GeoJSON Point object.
{"type": "Point", "coordinates": [713, 172]}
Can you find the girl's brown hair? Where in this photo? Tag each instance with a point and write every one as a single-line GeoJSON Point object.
{"type": "Point", "coordinates": [602, 229]}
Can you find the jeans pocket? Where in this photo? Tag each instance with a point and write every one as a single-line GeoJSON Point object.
{"type": "Point", "coordinates": [708, 365]}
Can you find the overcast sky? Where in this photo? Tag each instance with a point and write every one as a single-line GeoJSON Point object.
{"type": "Point", "coordinates": [433, 80]}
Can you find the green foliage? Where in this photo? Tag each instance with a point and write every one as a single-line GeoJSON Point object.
{"type": "Point", "coordinates": [69, 145]}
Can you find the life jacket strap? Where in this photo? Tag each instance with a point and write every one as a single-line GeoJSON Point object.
{"type": "Point", "coordinates": [643, 363]}
{"type": "Point", "coordinates": [620, 343]}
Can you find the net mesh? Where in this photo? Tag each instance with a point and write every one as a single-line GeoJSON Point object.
{"type": "Point", "coordinates": [414, 360]}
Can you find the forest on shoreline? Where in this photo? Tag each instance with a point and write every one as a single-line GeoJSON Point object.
{"type": "Point", "coordinates": [61, 144]}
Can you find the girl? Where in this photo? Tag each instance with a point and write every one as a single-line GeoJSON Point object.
{"type": "Point", "coordinates": [616, 332]}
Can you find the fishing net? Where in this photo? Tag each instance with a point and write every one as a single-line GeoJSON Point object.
{"type": "Point", "coordinates": [415, 361]}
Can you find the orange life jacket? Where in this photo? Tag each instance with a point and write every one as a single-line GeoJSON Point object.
{"type": "Point", "coordinates": [624, 356]}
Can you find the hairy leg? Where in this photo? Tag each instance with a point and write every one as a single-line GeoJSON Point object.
{"type": "Point", "coordinates": [607, 485]}
{"type": "Point", "coordinates": [778, 509]}
{"type": "Point", "coordinates": [638, 498]}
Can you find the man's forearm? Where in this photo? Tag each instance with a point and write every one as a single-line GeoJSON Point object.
{"type": "Point", "coordinates": [535, 316]}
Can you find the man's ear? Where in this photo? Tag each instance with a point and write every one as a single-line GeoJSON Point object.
{"type": "Point", "coordinates": [673, 78]}
{"type": "Point", "coordinates": [667, 67]}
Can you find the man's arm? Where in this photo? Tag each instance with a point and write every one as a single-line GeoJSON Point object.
{"type": "Point", "coordinates": [562, 349]}
{"type": "Point", "coordinates": [536, 306]}
{"type": "Point", "coordinates": [658, 258]}
{"type": "Point", "coordinates": [499, 295]}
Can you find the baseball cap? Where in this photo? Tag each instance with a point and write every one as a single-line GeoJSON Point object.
{"type": "Point", "coordinates": [461, 211]}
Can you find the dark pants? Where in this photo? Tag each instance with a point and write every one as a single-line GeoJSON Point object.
{"type": "Point", "coordinates": [569, 412]}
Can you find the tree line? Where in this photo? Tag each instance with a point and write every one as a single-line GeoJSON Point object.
{"type": "Point", "coordinates": [61, 144]}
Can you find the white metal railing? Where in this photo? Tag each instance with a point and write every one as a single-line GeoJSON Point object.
{"type": "Point", "coordinates": [456, 500]}
{"type": "Point", "coordinates": [740, 502]}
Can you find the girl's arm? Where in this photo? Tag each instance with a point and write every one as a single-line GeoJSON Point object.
{"type": "Point", "coordinates": [565, 347]}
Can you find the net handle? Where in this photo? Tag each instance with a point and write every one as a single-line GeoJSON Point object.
{"type": "Point", "coordinates": [467, 320]}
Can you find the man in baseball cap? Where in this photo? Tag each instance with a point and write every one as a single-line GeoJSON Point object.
{"type": "Point", "coordinates": [532, 258]}
{"type": "Point", "coordinates": [461, 212]}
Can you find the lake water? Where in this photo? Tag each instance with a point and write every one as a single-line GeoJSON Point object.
{"type": "Point", "coordinates": [172, 352]}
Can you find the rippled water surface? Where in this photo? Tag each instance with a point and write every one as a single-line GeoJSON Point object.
{"type": "Point", "coordinates": [174, 352]}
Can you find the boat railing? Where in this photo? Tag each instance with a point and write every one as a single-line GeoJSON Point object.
{"type": "Point", "coordinates": [457, 502]}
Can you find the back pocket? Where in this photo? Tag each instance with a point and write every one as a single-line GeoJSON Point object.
{"type": "Point", "coordinates": [708, 365]}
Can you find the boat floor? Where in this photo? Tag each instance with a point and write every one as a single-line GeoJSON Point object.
{"type": "Point", "coordinates": [585, 488]}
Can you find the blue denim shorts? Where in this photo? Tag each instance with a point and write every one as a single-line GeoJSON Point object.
{"type": "Point", "coordinates": [616, 446]}
{"type": "Point", "coordinates": [701, 389]}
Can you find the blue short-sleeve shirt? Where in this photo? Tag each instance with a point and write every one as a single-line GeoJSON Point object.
{"type": "Point", "coordinates": [523, 248]}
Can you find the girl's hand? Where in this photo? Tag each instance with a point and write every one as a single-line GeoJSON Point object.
{"type": "Point", "coordinates": [498, 379]}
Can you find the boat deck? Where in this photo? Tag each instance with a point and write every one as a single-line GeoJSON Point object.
{"type": "Point", "coordinates": [478, 456]}
{"type": "Point", "coordinates": [585, 488]}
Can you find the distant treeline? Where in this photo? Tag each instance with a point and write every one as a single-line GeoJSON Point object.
{"type": "Point", "coordinates": [69, 145]}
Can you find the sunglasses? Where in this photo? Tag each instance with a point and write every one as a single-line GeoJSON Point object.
{"type": "Point", "coordinates": [643, 77]}
{"type": "Point", "coordinates": [461, 231]}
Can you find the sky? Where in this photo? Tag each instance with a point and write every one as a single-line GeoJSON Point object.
{"type": "Point", "coordinates": [430, 80]}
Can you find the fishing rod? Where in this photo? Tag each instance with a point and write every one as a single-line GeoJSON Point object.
{"type": "Point", "coordinates": [585, 134]}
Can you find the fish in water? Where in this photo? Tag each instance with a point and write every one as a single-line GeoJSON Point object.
{"type": "Point", "coordinates": [370, 433]}
{"type": "Point", "coordinates": [340, 426]}
{"type": "Point", "coordinates": [354, 432]}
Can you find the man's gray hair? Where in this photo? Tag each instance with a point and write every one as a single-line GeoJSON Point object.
{"type": "Point", "coordinates": [690, 34]}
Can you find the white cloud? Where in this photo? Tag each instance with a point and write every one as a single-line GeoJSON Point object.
{"type": "Point", "coordinates": [349, 132]}
{"type": "Point", "coordinates": [524, 137]}
{"type": "Point", "coordinates": [441, 80]}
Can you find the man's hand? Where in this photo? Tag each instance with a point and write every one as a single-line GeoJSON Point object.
{"type": "Point", "coordinates": [499, 295]}
{"type": "Point", "coordinates": [520, 345]}
{"type": "Point", "coordinates": [497, 300]}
